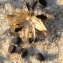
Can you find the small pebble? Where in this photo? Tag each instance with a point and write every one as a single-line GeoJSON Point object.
{"type": "Point", "coordinates": [17, 40]}
{"type": "Point", "coordinates": [24, 52]}
{"type": "Point", "coordinates": [12, 49]}
{"type": "Point", "coordinates": [40, 57]}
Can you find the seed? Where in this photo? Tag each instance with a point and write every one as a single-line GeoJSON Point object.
{"type": "Point", "coordinates": [17, 40]}
{"type": "Point", "coordinates": [18, 29]}
{"type": "Point", "coordinates": [30, 40]}
{"type": "Point", "coordinates": [43, 2]}
{"type": "Point", "coordinates": [12, 49]}
{"type": "Point", "coordinates": [42, 16]}
{"type": "Point", "coordinates": [24, 52]}
{"type": "Point", "coordinates": [40, 57]}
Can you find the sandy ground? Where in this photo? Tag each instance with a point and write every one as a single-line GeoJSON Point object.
{"type": "Point", "coordinates": [51, 47]}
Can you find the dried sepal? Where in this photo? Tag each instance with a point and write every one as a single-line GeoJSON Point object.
{"type": "Point", "coordinates": [33, 33]}
{"type": "Point", "coordinates": [37, 23]}
{"type": "Point", "coordinates": [25, 33]}
{"type": "Point", "coordinates": [18, 19]}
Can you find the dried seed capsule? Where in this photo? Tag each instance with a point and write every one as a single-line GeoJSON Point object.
{"type": "Point", "coordinates": [30, 40]}
{"type": "Point", "coordinates": [11, 48]}
{"type": "Point", "coordinates": [17, 40]}
{"type": "Point", "coordinates": [40, 57]}
{"type": "Point", "coordinates": [24, 52]}
{"type": "Point", "coordinates": [42, 16]}
{"type": "Point", "coordinates": [43, 2]}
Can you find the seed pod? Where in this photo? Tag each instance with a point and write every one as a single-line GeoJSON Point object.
{"type": "Point", "coordinates": [24, 52]}
{"type": "Point", "coordinates": [12, 49]}
{"type": "Point", "coordinates": [43, 3]}
{"type": "Point", "coordinates": [40, 57]}
{"type": "Point", "coordinates": [17, 40]}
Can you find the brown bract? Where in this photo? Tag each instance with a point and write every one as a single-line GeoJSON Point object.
{"type": "Point", "coordinates": [29, 23]}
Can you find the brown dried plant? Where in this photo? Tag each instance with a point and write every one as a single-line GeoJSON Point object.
{"type": "Point", "coordinates": [28, 21]}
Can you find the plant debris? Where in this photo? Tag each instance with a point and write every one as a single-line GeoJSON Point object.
{"type": "Point", "coordinates": [28, 22]}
